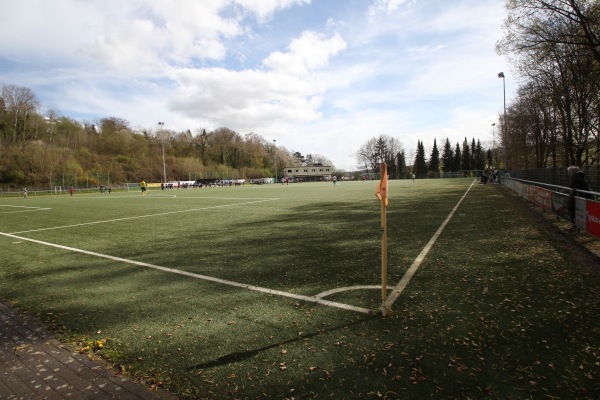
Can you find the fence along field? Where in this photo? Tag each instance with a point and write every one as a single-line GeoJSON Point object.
{"type": "Point", "coordinates": [203, 338]}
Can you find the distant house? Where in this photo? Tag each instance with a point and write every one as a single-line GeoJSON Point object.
{"type": "Point", "coordinates": [308, 173]}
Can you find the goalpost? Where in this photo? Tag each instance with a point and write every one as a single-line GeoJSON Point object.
{"type": "Point", "coordinates": [57, 189]}
{"type": "Point", "coordinates": [135, 186]}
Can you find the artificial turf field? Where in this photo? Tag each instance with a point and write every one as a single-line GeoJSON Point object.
{"type": "Point", "coordinates": [223, 292]}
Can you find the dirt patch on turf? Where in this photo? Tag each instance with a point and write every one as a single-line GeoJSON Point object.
{"type": "Point", "coordinates": [582, 246]}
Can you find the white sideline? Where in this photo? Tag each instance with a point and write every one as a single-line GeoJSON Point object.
{"type": "Point", "coordinates": [417, 263]}
{"type": "Point", "coordinates": [310, 299]}
{"type": "Point", "coordinates": [145, 216]}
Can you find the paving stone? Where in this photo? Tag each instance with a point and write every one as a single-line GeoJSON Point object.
{"type": "Point", "coordinates": [34, 365]}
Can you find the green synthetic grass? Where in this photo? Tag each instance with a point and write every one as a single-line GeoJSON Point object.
{"type": "Point", "coordinates": [496, 310]}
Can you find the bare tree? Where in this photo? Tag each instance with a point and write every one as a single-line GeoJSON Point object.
{"type": "Point", "coordinates": [19, 102]}
{"type": "Point", "coordinates": [554, 45]}
{"type": "Point", "coordinates": [382, 149]}
{"type": "Point", "coordinates": [535, 23]}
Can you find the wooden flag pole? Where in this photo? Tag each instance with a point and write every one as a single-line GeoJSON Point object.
{"type": "Point", "coordinates": [384, 310]}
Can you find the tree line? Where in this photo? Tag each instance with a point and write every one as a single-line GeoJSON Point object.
{"type": "Point", "coordinates": [34, 147]}
{"type": "Point", "coordinates": [554, 46]}
{"type": "Point", "coordinates": [469, 156]}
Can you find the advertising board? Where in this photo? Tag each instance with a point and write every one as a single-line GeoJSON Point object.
{"type": "Point", "coordinates": [592, 217]}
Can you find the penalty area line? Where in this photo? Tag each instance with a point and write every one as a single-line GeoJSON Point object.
{"type": "Point", "coordinates": [21, 209]}
{"type": "Point", "coordinates": [310, 299]}
{"type": "Point", "coordinates": [144, 216]}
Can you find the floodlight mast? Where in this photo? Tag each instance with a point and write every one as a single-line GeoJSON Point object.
{"type": "Point", "coordinates": [501, 75]}
{"type": "Point", "coordinates": [494, 144]}
{"type": "Point", "coordinates": [275, 150]}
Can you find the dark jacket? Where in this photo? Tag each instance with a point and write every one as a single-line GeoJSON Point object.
{"type": "Point", "coordinates": [578, 182]}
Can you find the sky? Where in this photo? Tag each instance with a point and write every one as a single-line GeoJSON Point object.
{"type": "Point", "coordinates": [315, 76]}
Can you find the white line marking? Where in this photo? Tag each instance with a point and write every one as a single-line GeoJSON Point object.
{"type": "Point", "coordinates": [145, 216]}
{"type": "Point", "coordinates": [417, 263]}
{"type": "Point", "coordinates": [122, 196]}
{"type": "Point", "coordinates": [310, 299]}
{"type": "Point", "coordinates": [226, 198]}
{"type": "Point", "coordinates": [346, 289]}
{"type": "Point", "coordinates": [28, 209]}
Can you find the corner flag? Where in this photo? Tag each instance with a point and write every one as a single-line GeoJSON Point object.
{"type": "Point", "coordinates": [382, 188]}
{"type": "Point", "coordinates": [382, 195]}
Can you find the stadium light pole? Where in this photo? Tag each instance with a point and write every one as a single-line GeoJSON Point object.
{"type": "Point", "coordinates": [161, 127]}
{"type": "Point", "coordinates": [501, 75]}
{"type": "Point", "coordinates": [275, 150]}
{"type": "Point", "coordinates": [493, 142]}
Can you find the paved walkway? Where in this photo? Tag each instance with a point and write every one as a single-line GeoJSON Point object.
{"type": "Point", "coordinates": [34, 365]}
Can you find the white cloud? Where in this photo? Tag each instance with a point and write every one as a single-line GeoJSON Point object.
{"type": "Point", "coordinates": [288, 91]}
{"type": "Point", "coordinates": [165, 33]}
{"type": "Point", "coordinates": [43, 32]}
{"type": "Point", "coordinates": [264, 9]}
{"type": "Point", "coordinates": [306, 53]}
{"type": "Point", "coordinates": [247, 100]}
{"type": "Point", "coordinates": [388, 6]}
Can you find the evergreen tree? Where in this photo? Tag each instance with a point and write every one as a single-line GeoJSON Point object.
{"type": "Point", "coordinates": [457, 158]}
{"type": "Point", "coordinates": [478, 156]}
{"type": "Point", "coordinates": [401, 163]}
{"type": "Point", "coordinates": [447, 157]}
{"type": "Point", "coordinates": [472, 155]}
{"type": "Point", "coordinates": [434, 160]}
{"type": "Point", "coordinates": [420, 163]}
{"type": "Point", "coordinates": [465, 163]}
{"type": "Point", "coordinates": [381, 148]}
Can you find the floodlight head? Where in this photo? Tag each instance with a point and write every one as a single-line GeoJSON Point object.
{"type": "Point", "coordinates": [501, 75]}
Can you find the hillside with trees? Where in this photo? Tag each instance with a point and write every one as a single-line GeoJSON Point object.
{"type": "Point", "coordinates": [47, 150]}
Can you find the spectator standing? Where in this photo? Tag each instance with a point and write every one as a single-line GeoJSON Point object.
{"type": "Point", "coordinates": [577, 183]}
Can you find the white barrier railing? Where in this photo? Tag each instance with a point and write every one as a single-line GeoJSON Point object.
{"type": "Point", "coordinates": [583, 212]}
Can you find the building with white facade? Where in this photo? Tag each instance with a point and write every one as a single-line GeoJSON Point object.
{"type": "Point", "coordinates": [308, 173]}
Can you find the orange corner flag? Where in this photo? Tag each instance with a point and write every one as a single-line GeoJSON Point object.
{"type": "Point", "coordinates": [382, 188]}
